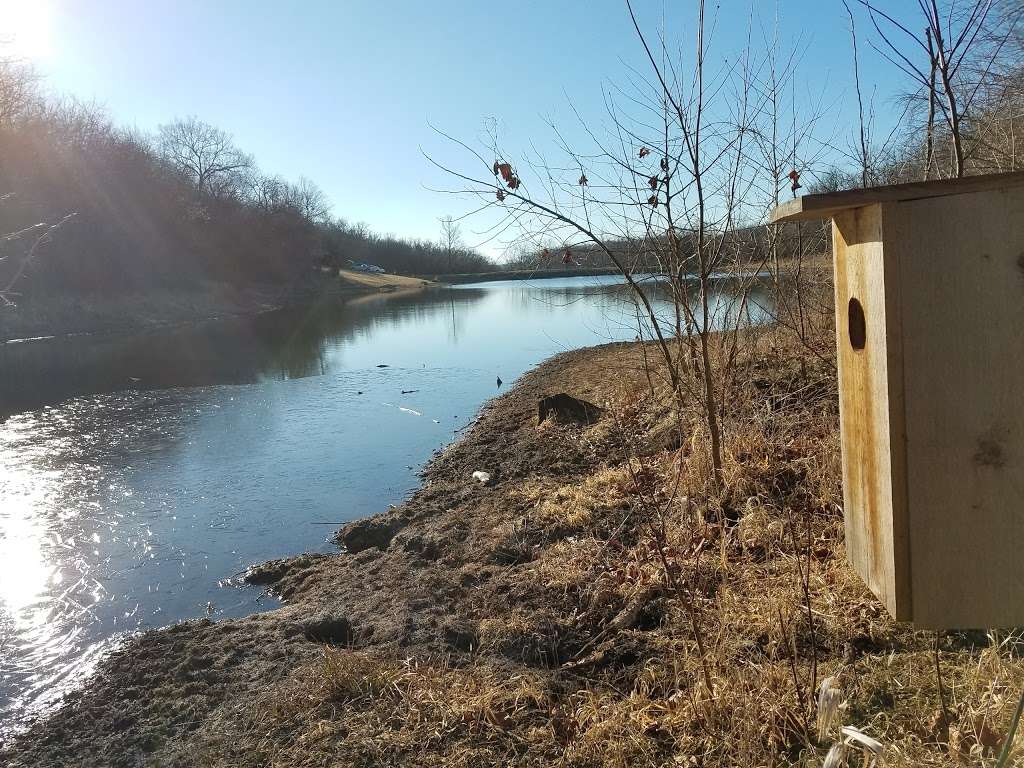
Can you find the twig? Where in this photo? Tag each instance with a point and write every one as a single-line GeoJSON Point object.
{"type": "Point", "coordinates": [1004, 754]}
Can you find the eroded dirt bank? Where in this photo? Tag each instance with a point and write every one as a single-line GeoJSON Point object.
{"type": "Point", "coordinates": [595, 604]}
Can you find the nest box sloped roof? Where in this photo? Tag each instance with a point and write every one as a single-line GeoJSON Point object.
{"type": "Point", "coordinates": [826, 205]}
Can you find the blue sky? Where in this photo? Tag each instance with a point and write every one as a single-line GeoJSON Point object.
{"type": "Point", "coordinates": [344, 92]}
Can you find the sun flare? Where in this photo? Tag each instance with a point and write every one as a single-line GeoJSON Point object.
{"type": "Point", "coordinates": [25, 29]}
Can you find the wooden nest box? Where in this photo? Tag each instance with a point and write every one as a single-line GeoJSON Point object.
{"type": "Point", "coordinates": [929, 288]}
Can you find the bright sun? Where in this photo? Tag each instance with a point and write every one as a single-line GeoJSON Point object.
{"type": "Point", "coordinates": [25, 28]}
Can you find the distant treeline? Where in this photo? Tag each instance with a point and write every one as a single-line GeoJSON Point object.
{"type": "Point", "coordinates": [170, 210]}
{"type": "Point", "coordinates": [746, 248]}
{"type": "Point", "coordinates": [344, 242]}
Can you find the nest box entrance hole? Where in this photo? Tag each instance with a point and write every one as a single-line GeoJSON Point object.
{"type": "Point", "coordinates": [856, 325]}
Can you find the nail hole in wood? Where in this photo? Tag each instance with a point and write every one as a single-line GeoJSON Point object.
{"type": "Point", "coordinates": [856, 325]}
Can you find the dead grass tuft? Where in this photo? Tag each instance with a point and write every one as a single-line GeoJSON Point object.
{"type": "Point", "coordinates": [578, 506]}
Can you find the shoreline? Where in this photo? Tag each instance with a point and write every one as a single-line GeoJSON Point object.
{"type": "Point", "coordinates": [68, 317]}
{"type": "Point", "coordinates": [526, 621]}
{"type": "Point", "coordinates": [141, 313]}
{"type": "Point", "coordinates": [103, 724]}
{"type": "Point", "coordinates": [544, 274]}
{"type": "Point", "coordinates": [460, 278]}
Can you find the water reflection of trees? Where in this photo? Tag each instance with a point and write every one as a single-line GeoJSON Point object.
{"type": "Point", "coordinates": [293, 342]}
{"type": "Point", "coordinates": [288, 343]}
{"type": "Point", "coordinates": [301, 336]}
{"type": "Point", "coordinates": [617, 301]}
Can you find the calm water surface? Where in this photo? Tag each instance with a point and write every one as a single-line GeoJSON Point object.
{"type": "Point", "coordinates": [140, 475]}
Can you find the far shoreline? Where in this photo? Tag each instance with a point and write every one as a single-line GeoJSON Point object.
{"type": "Point", "coordinates": [66, 317]}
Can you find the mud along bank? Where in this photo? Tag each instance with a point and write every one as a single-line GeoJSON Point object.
{"type": "Point", "coordinates": [408, 584]}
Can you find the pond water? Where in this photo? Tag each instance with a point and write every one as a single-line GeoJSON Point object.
{"type": "Point", "coordinates": [140, 475]}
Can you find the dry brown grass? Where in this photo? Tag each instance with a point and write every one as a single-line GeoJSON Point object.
{"type": "Point", "coordinates": [577, 506]}
{"type": "Point", "coordinates": [367, 709]}
{"type": "Point", "coordinates": [744, 582]}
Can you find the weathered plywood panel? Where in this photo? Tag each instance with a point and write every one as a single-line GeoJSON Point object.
{"type": "Point", "coordinates": [961, 276]}
{"type": "Point", "coordinates": [871, 406]}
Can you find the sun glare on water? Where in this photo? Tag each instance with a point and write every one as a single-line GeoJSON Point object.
{"type": "Point", "coordinates": [25, 29]}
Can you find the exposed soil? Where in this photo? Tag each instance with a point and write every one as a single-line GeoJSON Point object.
{"type": "Point", "coordinates": [382, 282]}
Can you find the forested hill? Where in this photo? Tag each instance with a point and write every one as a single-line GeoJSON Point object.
{"type": "Point", "coordinates": [156, 213]}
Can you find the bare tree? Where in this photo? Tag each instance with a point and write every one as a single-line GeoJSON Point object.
{"type": "Point", "coordinates": [267, 193]}
{"type": "Point", "coordinates": [451, 239]}
{"type": "Point", "coordinates": [998, 116]}
{"type": "Point", "coordinates": [19, 90]}
{"type": "Point", "coordinates": [864, 123]}
{"type": "Point", "coordinates": [785, 144]}
{"type": "Point", "coordinates": [310, 200]}
{"type": "Point", "coordinates": [947, 61]}
{"type": "Point", "coordinates": [666, 189]}
{"type": "Point", "coordinates": [205, 154]}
